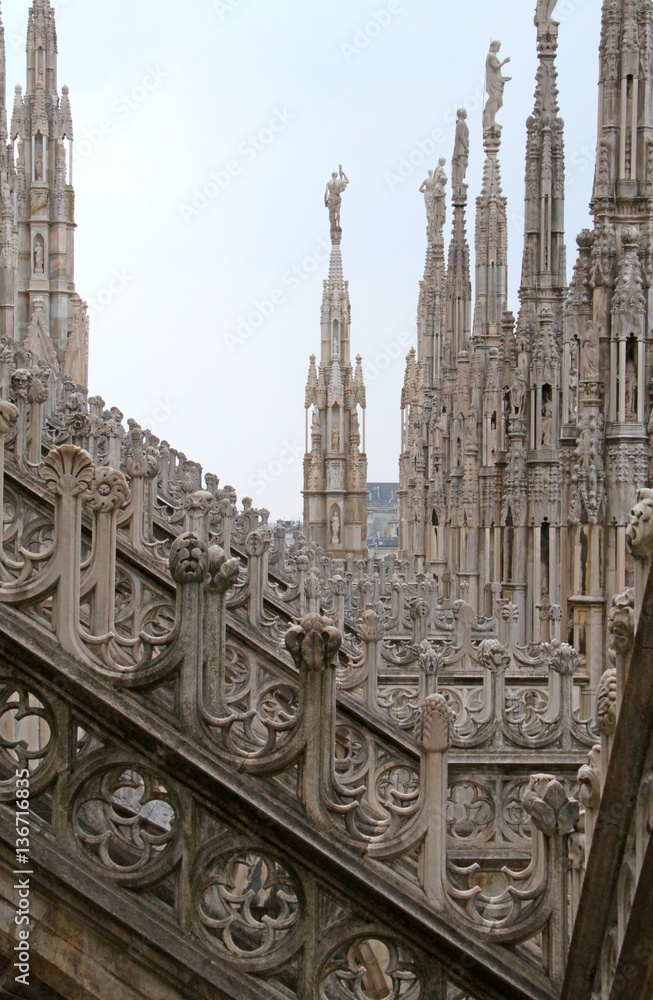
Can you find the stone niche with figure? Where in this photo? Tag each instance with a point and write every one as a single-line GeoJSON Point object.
{"type": "Point", "coordinates": [335, 527]}
{"type": "Point", "coordinates": [38, 256]}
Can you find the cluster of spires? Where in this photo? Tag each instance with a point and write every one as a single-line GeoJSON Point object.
{"type": "Point", "coordinates": [524, 441]}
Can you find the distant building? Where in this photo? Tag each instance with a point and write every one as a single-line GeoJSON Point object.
{"type": "Point", "coordinates": [383, 515]}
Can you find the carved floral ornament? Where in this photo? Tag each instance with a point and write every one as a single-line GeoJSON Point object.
{"type": "Point", "coordinates": [107, 491]}
{"type": "Point", "coordinates": [314, 642]}
{"type": "Point", "coordinates": [68, 469]}
{"type": "Point", "coordinates": [549, 806]}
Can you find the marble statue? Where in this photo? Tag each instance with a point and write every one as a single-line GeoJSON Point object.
{"type": "Point", "coordinates": [547, 424]}
{"type": "Point", "coordinates": [335, 527]}
{"type": "Point", "coordinates": [544, 15]}
{"type": "Point", "coordinates": [460, 158]}
{"type": "Point", "coordinates": [434, 191]}
{"type": "Point", "coordinates": [333, 199]}
{"type": "Point", "coordinates": [631, 390]}
{"type": "Point", "coordinates": [38, 258]}
{"type": "Point", "coordinates": [590, 353]}
{"type": "Point", "coordinates": [518, 391]}
{"type": "Point", "coordinates": [495, 82]}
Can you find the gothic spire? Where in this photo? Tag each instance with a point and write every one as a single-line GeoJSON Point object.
{"type": "Point", "coordinates": [625, 115]}
{"type": "Point", "coordinates": [41, 50]}
{"type": "Point", "coordinates": [3, 98]}
{"type": "Point", "coordinates": [3, 68]}
{"type": "Point", "coordinates": [336, 309]}
{"type": "Point", "coordinates": [459, 286]}
{"type": "Point", "coordinates": [491, 216]}
{"type": "Point", "coordinates": [430, 313]}
{"type": "Point", "coordinates": [544, 278]}
{"type": "Point", "coordinates": [335, 469]}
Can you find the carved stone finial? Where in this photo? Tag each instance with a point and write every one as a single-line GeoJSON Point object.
{"type": "Point", "coordinates": [564, 658]}
{"type": "Point", "coordinates": [430, 658]}
{"type": "Point", "coordinates": [188, 558]}
{"type": "Point", "coordinates": [256, 542]}
{"type": "Point", "coordinates": [371, 626]}
{"type": "Point", "coordinates": [493, 656]}
{"type": "Point", "coordinates": [67, 469]}
{"type": "Point", "coordinates": [434, 728]}
{"type": "Point", "coordinates": [314, 643]}
{"type": "Point", "coordinates": [549, 806]}
{"type": "Point", "coordinates": [107, 491]}
{"type": "Point", "coordinates": [199, 502]}
{"type": "Point", "coordinates": [222, 572]}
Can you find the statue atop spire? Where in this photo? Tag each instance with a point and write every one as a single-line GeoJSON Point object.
{"type": "Point", "coordinates": [333, 201]}
{"type": "Point", "coordinates": [544, 17]}
{"type": "Point", "coordinates": [460, 158]}
{"type": "Point", "coordinates": [434, 189]}
{"type": "Point", "coordinates": [335, 467]}
{"type": "Point", "coordinates": [495, 82]}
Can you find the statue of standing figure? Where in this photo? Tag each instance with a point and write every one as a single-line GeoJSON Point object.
{"type": "Point", "coordinates": [435, 193]}
{"type": "Point", "coordinates": [333, 200]}
{"type": "Point", "coordinates": [518, 391]}
{"type": "Point", "coordinates": [495, 81]}
{"type": "Point", "coordinates": [544, 15]}
{"type": "Point", "coordinates": [460, 159]}
{"type": "Point", "coordinates": [38, 258]}
{"type": "Point", "coordinates": [335, 527]}
{"type": "Point", "coordinates": [631, 390]}
{"type": "Point", "coordinates": [590, 353]}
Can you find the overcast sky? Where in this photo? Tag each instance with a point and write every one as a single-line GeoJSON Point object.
{"type": "Point", "coordinates": [205, 134]}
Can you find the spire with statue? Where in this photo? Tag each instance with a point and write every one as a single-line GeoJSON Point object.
{"type": "Point", "coordinates": [335, 464]}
